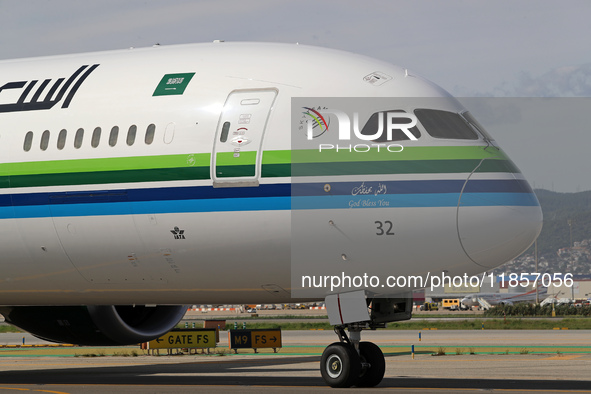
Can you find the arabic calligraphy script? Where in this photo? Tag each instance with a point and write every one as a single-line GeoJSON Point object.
{"type": "Point", "coordinates": [363, 189]}
{"type": "Point", "coordinates": [51, 98]}
{"type": "Point", "coordinates": [366, 191]}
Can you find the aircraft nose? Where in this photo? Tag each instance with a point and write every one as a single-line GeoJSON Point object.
{"type": "Point", "coordinates": [497, 221]}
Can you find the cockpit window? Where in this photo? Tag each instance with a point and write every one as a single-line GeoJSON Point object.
{"type": "Point", "coordinates": [372, 126]}
{"type": "Point", "coordinates": [468, 116]}
{"type": "Point", "coordinates": [444, 124]}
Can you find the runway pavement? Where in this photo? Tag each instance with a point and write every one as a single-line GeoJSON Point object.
{"type": "Point", "coordinates": [295, 368]}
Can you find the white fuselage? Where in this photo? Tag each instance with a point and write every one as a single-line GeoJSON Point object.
{"type": "Point", "coordinates": [176, 216]}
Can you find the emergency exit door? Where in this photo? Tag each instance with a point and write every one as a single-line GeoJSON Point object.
{"type": "Point", "coordinates": [239, 137]}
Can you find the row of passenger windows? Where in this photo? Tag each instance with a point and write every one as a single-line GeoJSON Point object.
{"type": "Point", "coordinates": [95, 138]}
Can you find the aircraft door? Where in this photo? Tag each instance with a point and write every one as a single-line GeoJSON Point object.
{"type": "Point", "coordinates": [236, 159]}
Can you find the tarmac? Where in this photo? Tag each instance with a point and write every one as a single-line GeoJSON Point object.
{"type": "Point", "coordinates": [503, 361]}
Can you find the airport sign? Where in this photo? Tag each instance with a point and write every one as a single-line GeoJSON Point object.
{"type": "Point", "coordinates": [254, 339]}
{"type": "Point", "coordinates": [196, 338]}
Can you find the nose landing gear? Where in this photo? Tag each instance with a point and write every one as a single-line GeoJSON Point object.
{"type": "Point", "coordinates": [351, 362]}
{"type": "Point", "coordinates": [340, 365]}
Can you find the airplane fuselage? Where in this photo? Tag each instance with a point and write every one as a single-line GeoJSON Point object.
{"type": "Point", "coordinates": [165, 176]}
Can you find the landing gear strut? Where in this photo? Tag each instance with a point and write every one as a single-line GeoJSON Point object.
{"type": "Point", "coordinates": [351, 362]}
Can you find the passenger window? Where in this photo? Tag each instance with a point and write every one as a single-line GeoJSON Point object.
{"type": "Point", "coordinates": [445, 124]}
{"type": "Point", "coordinates": [78, 138]}
{"type": "Point", "coordinates": [28, 141]}
{"type": "Point", "coordinates": [150, 134]}
{"type": "Point", "coordinates": [96, 137]}
{"type": "Point", "coordinates": [61, 139]}
{"type": "Point", "coordinates": [113, 136]}
{"type": "Point", "coordinates": [373, 124]}
{"type": "Point", "coordinates": [225, 131]}
{"type": "Point", "coordinates": [131, 135]}
{"type": "Point", "coordinates": [44, 140]}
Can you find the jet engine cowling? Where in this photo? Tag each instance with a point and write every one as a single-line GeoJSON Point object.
{"type": "Point", "coordinates": [96, 325]}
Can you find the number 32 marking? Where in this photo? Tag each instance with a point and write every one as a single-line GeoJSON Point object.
{"type": "Point", "coordinates": [384, 228]}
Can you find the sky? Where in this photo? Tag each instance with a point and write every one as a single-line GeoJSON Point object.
{"type": "Point", "coordinates": [501, 49]}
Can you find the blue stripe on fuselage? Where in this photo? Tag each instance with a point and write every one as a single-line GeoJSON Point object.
{"type": "Point", "coordinates": [435, 193]}
{"type": "Point", "coordinates": [413, 187]}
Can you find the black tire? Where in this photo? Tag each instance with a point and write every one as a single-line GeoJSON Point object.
{"type": "Point", "coordinates": [371, 354]}
{"type": "Point", "coordinates": [340, 365]}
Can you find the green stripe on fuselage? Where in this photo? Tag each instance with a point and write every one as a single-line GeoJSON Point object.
{"type": "Point", "coordinates": [412, 160]}
{"type": "Point", "coordinates": [242, 158]}
{"type": "Point", "coordinates": [102, 177]}
{"type": "Point", "coordinates": [388, 167]}
{"type": "Point", "coordinates": [235, 164]}
{"type": "Point", "coordinates": [408, 153]}
{"type": "Point", "coordinates": [280, 163]}
{"type": "Point", "coordinates": [106, 170]}
{"type": "Point", "coordinates": [106, 164]}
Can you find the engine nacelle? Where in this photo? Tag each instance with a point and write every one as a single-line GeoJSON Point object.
{"type": "Point", "coordinates": [95, 325]}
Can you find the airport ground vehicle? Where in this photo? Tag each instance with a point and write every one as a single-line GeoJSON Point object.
{"type": "Point", "coordinates": [453, 304]}
{"type": "Point", "coordinates": [430, 306]}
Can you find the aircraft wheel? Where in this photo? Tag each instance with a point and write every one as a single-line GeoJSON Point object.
{"type": "Point", "coordinates": [340, 365]}
{"type": "Point", "coordinates": [371, 354]}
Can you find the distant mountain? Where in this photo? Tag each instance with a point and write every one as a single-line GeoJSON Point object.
{"type": "Point", "coordinates": [558, 209]}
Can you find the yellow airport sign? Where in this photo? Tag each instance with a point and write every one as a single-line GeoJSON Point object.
{"type": "Point", "coordinates": [264, 339]}
{"type": "Point", "coordinates": [254, 339]}
{"type": "Point", "coordinates": [185, 339]}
